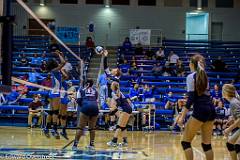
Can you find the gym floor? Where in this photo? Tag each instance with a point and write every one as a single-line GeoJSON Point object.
{"type": "Point", "coordinates": [154, 145]}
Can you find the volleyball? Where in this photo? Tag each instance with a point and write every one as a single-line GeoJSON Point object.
{"type": "Point", "coordinates": [99, 49]}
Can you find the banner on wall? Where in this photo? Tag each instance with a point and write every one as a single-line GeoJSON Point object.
{"type": "Point", "coordinates": [68, 34]}
{"type": "Point", "coordinates": [142, 36]}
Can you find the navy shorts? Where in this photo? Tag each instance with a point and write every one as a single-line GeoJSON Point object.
{"type": "Point", "coordinates": [90, 108]}
{"type": "Point", "coordinates": [127, 109]}
{"type": "Point", "coordinates": [203, 109]}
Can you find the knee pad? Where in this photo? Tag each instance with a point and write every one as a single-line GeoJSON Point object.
{"type": "Point", "coordinates": [230, 147]}
{"type": "Point", "coordinates": [186, 145]}
{"type": "Point", "coordinates": [55, 112]}
{"type": "Point", "coordinates": [237, 148]}
{"type": "Point", "coordinates": [122, 128]}
{"type": "Point", "coordinates": [64, 117]}
{"type": "Point", "coordinates": [206, 147]}
{"type": "Point", "coordinates": [50, 113]}
{"type": "Point", "coordinates": [91, 129]}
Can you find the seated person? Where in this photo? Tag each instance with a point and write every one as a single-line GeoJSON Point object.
{"type": "Point", "coordinates": [173, 58]}
{"type": "Point", "coordinates": [36, 110]}
{"type": "Point", "coordinates": [18, 91]}
{"type": "Point", "coordinates": [34, 76]}
{"type": "Point", "coordinates": [219, 65]}
{"type": "Point", "coordinates": [139, 49]}
{"type": "Point", "coordinates": [170, 101]}
{"type": "Point", "coordinates": [216, 94]}
{"type": "Point", "coordinates": [23, 60]}
{"type": "Point", "coordinates": [177, 112]}
{"type": "Point", "coordinates": [149, 54]}
{"type": "Point", "coordinates": [36, 61]}
{"type": "Point", "coordinates": [127, 45]}
{"type": "Point", "coordinates": [221, 119]}
{"type": "Point", "coordinates": [180, 69]}
{"type": "Point", "coordinates": [43, 67]}
{"type": "Point", "coordinates": [125, 67]}
{"type": "Point", "coordinates": [157, 70]}
{"type": "Point", "coordinates": [149, 99]}
{"type": "Point", "coordinates": [43, 56]}
{"type": "Point", "coordinates": [160, 54]}
{"type": "Point", "coordinates": [134, 93]}
{"type": "Point", "coordinates": [167, 70]}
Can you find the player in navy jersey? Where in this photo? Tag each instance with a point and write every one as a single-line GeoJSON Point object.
{"type": "Point", "coordinates": [124, 104]}
{"type": "Point", "coordinates": [88, 113]}
{"type": "Point", "coordinates": [203, 110]}
{"type": "Point", "coordinates": [55, 69]}
{"type": "Point", "coordinates": [229, 92]}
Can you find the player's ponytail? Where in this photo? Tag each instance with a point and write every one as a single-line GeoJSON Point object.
{"type": "Point", "coordinates": [201, 76]}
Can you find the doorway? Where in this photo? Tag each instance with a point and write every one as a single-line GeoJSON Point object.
{"type": "Point", "coordinates": [216, 31]}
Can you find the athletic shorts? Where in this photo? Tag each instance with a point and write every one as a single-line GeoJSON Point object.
{"type": "Point", "coordinates": [127, 109]}
{"type": "Point", "coordinates": [203, 110]}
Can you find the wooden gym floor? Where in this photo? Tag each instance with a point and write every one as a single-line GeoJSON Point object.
{"type": "Point", "coordinates": [156, 145]}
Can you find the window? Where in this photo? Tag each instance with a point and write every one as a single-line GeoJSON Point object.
{"type": "Point", "coordinates": [120, 2]}
{"type": "Point", "coordinates": [193, 3]}
{"type": "Point", "coordinates": [69, 1]}
{"type": "Point", "coordinates": [224, 3]}
{"type": "Point", "coordinates": [147, 2]}
{"type": "Point", "coordinates": [94, 2]}
{"type": "Point", "coordinates": [35, 29]}
{"type": "Point", "coordinates": [173, 3]}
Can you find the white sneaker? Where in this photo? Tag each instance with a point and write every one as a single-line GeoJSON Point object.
{"type": "Point", "coordinates": [112, 144]}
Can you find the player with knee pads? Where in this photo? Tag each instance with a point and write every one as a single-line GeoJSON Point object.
{"type": "Point", "coordinates": [63, 110]}
{"type": "Point", "coordinates": [54, 95]}
{"type": "Point", "coordinates": [119, 100]}
{"type": "Point", "coordinates": [229, 92]}
{"type": "Point", "coordinates": [88, 113]}
{"type": "Point", "coordinates": [203, 110]}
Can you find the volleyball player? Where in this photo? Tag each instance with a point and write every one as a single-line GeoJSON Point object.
{"type": "Point", "coordinates": [120, 101]}
{"type": "Point", "coordinates": [112, 76]}
{"type": "Point", "coordinates": [88, 113]}
{"type": "Point", "coordinates": [233, 143]}
{"type": "Point", "coordinates": [63, 110]}
{"type": "Point", "coordinates": [54, 95]}
{"type": "Point", "coordinates": [203, 110]}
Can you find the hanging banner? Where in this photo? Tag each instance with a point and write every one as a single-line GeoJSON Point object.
{"type": "Point", "coordinates": [68, 34]}
{"type": "Point", "coordinates": [142, 36]}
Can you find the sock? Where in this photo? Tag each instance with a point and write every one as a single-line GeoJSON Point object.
{"type": "Point", "coordinates": [64, 130]}
{"type": "Point", "coordinates": [91, 143]}
{"type": "Point", "coordinates": [48, 125]}
{"type": "Point", "coordinates": [55, 127]}
{"type": "Point", "coordinates": [125, 139]}
{"type": "Point", "coordinates": [114, 140]}
{"type": "Point", "coordinates": [75, 143]}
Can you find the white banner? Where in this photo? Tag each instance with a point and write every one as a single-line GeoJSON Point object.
{"type": "Point", "coordinates": [142, 36]}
